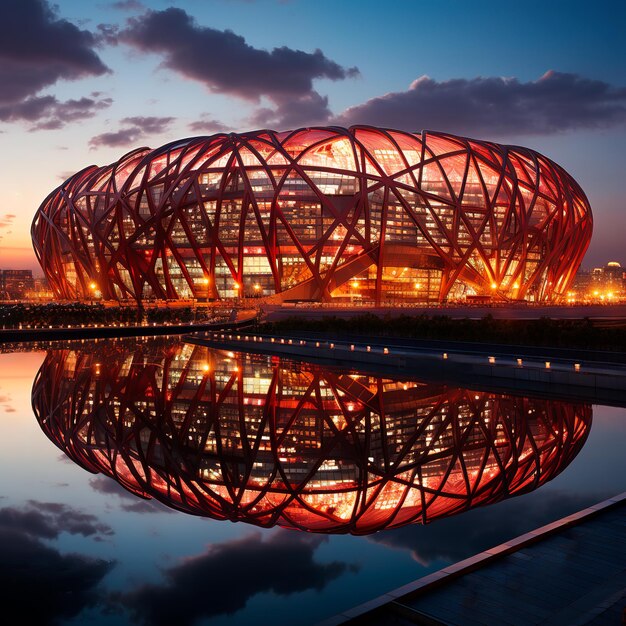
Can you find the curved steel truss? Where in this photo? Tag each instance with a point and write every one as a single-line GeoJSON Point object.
{"type": "Point", "coordinates": [268, 441]}
{"type": "Point", "coordinates": [362, 214]}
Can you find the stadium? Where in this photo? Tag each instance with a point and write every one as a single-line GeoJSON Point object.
{"type": "Point", "coordinates": [358, 215]}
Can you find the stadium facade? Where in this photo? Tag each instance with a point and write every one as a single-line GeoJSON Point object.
{"type": "Point", "coordinates": [317, 214]}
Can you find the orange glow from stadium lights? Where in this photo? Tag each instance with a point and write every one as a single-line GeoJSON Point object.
{"type": "Point", "coordinates": [236, 286]}
{"type": "Point", "coordinates": [494, 286]}
{"type": "Point", "coordinates": [257, 287]}
{"type": "Point", "coordinates": [206, 367]}
{"type": "Point", "coordinates": [93, 286]}
{"type": "Point", "coordinates": [355, 284]}
{"type": "Point", "coordinates": [206, 280]}
{"type": "Point", "coordinates": [515, 285]}
{"type": "Point", "coordinates": [416, 286]}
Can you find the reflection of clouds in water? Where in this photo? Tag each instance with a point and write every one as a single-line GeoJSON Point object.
{"type": "Point", "coordinates": [227, 575]}
{"type": "Point", "coordinates": [64, 584]}
{"type": "Point", "coordinates": [129, 501]}
{"type": "Point", "coordinates": [455, 538]}
{"type": "Point", "coordinates": [48, 519]}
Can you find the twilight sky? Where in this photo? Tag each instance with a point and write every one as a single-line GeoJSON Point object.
{"type": "Point", "coordinates": [85, 82]}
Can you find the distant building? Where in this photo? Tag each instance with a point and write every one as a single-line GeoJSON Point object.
{"type": "Point", "coordinates": [15, 284]}
{"type": "Point", "coordinates": [614, 275]}
{"type": "Point", "coordinates": [601, 283]}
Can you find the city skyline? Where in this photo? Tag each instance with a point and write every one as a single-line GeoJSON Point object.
{"type": "Point", "coordinates": [85, 83]}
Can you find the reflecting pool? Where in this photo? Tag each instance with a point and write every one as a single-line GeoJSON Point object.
{"type": "Point", "coordinates": [347, 484]}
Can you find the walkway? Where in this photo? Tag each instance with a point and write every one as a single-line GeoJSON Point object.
{"type": "Point", "coordinates": [572, 571]}
{"type": "Point", "coordinates": [490, 366]}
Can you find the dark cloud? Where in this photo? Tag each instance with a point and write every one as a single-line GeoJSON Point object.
{"type": "Point", "coordinates": [133, 129]}
{"type": "Point", "coordinates": [122, 137]}
{"type": "Point", "coordinates": [48, 113]}
{"type": "Point", "coordinates": [64, 584]}
{"type": "Point", "coordinates": [48, 520]}
{"type": "Point", "coordinates": [307, 110]}
{"type": "Point", "coordinates": [128, 5]}
{"type": "Point", "coordinates": [458, 537]}
{"type": "Point", "coordinates": [149, 125]}
{"type": "Point", "coordinates": [554, 103]}
{"type": "Point", "coordinates": [224, 578]}
{"type": "Point", "coordinates": [225, 63]}
{"type": "Point", "coordinates": [208, 125]}
{"type": "Point", "coordinates": [129, 501]}
{"type": "Point", "coordinates": [37, 49]}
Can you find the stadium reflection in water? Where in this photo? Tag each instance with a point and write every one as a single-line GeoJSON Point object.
{"type": "Point", "coordinates": [269, 441]}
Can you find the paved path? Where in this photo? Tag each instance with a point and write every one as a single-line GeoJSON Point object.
{"type": "Point", "coordinates": [549, 374]}
{"type": "Point", "coordinates": [572, 571]}
{"type": "Point", "coordinates": [615, 313]}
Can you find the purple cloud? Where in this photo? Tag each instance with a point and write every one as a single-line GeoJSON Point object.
{"type": "Point", "coordinates": [37, 49]}
{"type": "Point", "coordinates": [208, 125]}
{"type": "Point", "coordinates": [307, 110]}
{"type": "Point", "coordinates": [556, 102]}
{"type": "Point", "coordinates": [128, 5]}
{"type": "Point", "coordinates": [48, 113]}
{"type": "Point", "coordinates": [225, 63]}
{"type": "Point", "coordinates": [133, 129]}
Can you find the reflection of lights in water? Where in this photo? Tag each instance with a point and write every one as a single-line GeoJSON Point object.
{"type": "Point", "coordinates": [327, 451]}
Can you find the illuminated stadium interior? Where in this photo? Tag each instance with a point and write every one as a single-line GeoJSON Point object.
{"type": "Point", "coordinates": [359, 215]}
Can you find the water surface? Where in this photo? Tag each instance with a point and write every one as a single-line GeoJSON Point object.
{"type": "Point", "coordinates": [162, 482]}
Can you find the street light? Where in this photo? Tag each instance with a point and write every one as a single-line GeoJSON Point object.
{"type": "Point", "coordinates": [207, 281]}
{"type": "Point", "coordinates": [94, 290]}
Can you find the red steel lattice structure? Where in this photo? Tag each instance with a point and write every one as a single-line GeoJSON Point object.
{"type": "Point", "coordinates": [363, 214]}
{"type": "Point", "coordinates": [267, 441]}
